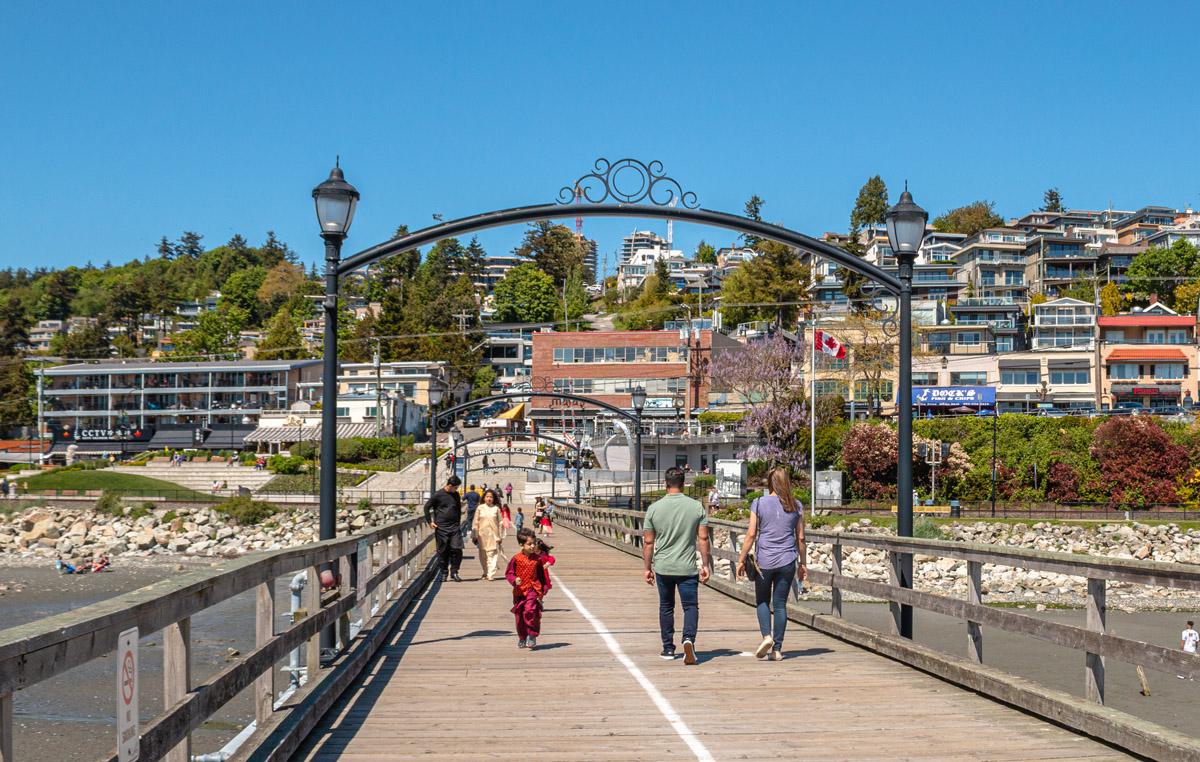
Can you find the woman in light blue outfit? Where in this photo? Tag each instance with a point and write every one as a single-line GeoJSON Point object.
{"type": "Point", "coordinates": [777, 522]}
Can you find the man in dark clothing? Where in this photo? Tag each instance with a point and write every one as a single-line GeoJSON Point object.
{"type": "Point", "coordinates": [472, 497]}
{"type": "Point", "coordinates": [443, 511]}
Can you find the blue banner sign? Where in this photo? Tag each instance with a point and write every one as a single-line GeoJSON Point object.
{"type": "Point", "coordinates": [953, 396]}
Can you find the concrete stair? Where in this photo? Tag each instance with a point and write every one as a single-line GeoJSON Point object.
{"type": "Point", "coordinates": [200, 476]}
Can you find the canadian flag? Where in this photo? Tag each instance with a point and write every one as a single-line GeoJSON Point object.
{"type": "Point", "coordinates": [830, 345]}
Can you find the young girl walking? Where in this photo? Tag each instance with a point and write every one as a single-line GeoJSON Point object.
{"type": "Point", "coordinates": [505, 520]}
{"type": "Point", "coordinates": [530, 581]}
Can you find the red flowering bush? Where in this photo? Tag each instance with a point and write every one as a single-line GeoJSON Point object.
{"type": "Point", "coordinates": [1138, 461]}
{"type": "Point", "coordinates": [869, 456]}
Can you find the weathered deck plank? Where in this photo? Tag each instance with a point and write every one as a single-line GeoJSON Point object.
{"type": "Point", "coordinates": [450, 684]}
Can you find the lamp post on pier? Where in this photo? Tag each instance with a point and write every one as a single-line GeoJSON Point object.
{"type": "Point", "coordinates": [638, 399]}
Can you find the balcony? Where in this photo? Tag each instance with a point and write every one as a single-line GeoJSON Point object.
{"type": "Point", "coordinates": [1063, 342]}
{"type": "Point", "coordinates": [1168, 342]}
{"type": "Point", "coordinates": [1084, 320]}
{"type": "Point", "coordinates": [988, 301]}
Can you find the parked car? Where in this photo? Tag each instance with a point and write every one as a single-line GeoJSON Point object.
{"type": "Point", "coordinates": [1168, 410]}
{"type": "Point", "coordinates": [471, 419]}
{"type": "Point", "coordinates": [1052, 412]}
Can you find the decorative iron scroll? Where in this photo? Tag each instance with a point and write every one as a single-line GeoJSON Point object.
{"type": "Point", "coordinates": [889, 316]}
{"type": "Point", "coordinates": [628, 181]}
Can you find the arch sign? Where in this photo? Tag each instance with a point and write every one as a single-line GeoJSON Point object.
{"type": "Point", "coordinates": [128, 738]}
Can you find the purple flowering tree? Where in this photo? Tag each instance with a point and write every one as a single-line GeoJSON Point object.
{"type": "Point", "coordinates": [765, 375]}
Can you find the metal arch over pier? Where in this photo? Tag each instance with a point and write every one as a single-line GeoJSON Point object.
{"type": "Point", "coordinates": [617, 189]}
{"type": "Point", "coordinates": [468, 454]}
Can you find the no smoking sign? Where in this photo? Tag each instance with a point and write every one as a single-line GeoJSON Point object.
{"type": "Point", "coordinates": [128, 741]}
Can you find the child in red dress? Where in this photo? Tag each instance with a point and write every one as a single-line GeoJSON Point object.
{"type": "Point", "coordinates": [527, 574]}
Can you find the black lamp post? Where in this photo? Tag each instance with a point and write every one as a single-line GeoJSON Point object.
{"type": "Point", "coordinates": [435, 399]}
{"type": "Point", "coordinates": [906, 229]}
{"type": "Point", "coordinates": [638, 399]}
{"type": "Point", "coordinates": [335, 200]}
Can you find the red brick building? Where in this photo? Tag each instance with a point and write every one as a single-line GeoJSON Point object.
{"type": "Point", "coordinates": [608, 365]}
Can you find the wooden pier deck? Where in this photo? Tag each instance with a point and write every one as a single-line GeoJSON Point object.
{"type": "Point", "coordinates": [451, 684]}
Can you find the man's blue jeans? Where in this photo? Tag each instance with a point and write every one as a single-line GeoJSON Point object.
{"type": "Point", "coordinates": [773, 585]}
{"type": "Point", "coordinates": [689, 591]}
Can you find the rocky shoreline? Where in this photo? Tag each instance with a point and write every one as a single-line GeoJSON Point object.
{"type": "Point", "coordinates": [1166, 543]}
{"type": "Point", "coordinates": [72, 533]}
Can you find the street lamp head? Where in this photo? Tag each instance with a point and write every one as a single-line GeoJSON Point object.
{"type": "Point", "coordinates": [435, 396]}
{"type": "Point", "coordinates": [335, 199]}
{"type": "Point", "coordinates": [906, 224]}
{"type": "Point", "coordinates": [638, 398]}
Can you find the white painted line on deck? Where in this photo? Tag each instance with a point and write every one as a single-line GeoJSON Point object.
{"type": "Point", "coordinates": [659, 700]}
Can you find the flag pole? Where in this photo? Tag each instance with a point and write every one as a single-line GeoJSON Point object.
{"type": "Point", "coordinates": [812, 420]}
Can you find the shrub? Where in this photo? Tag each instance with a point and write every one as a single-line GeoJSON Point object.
{"type": "Point", "coordinates": [711, 417]}
{"type": "Point", "coordinates": [364, 504]}
{"type": "Point", "coordinates": [286, 464]}
{"type": "Point", "coordinates": [705, 480]}
{"type": "Point", "coordinates": [349, 450]}
{"type": "Point", "coordinates": [378, 448]}
{"type": "Point", "coordinates": [245, 511]}
{"type": "Point", "coordinates": [169, 516]}
{"type": "Point", "coordinates": [926, 528]}
{"type": "Point", "coordinates": [109, 504]}
{"type": "Point", "coordinates": [1138, 461]}
{"type": "Point", "coordinates": [306, 450]}
{"type": "Point", "coordinates": [140, 511]}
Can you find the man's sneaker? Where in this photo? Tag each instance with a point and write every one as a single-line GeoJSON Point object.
{"type": "Point", "coordinates": [764, 646]}
{"type": "Point", "coordinates": [521, 643]}
{"type": "Point", "coordinates": [530, 642]}
{"type": "Point", "coordinates": [689, 652]}
{"type": "Point", "coordinates": [667, 653]}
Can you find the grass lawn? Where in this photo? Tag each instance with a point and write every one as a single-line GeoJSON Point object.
{"type": "Point", "coordinates": [127, 484]}
{"type": "Point", "coordinates": [304, 482]}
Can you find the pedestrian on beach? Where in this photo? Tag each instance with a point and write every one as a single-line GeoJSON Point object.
{"type": "Point", "coordinates": [777, 523]}
{"type": "Point", "coordinates": [486, 529]}
{"type": "Point", "coordinates": [443, 511]}
{"type": "Point", "coordinates": [527, 574]}
{"type": "Point", "coordinates": [1189, 641]}
{"type": "Point", "coordinates": [673, 527]}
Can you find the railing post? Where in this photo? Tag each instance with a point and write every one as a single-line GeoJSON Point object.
{"type": "Point", "coordinates": [177, 677]}
{"type": "Point", "coordinates": [835, 592]}
{"type": "Point", "coordinates": [344, 591]}
{"type": "Point", "coordinates": [264, 630]}
{"type": "Point", "coordinates": [1096, 607]}
{"type": "Point", "coordinates": [405, 545]}
{"type": "Point", "coordinates": [894, 581]}
{"type": "Point", "coordinates": [312, 604]}
{"type": "Point", "coordinates": [6, 728]}
{"type": "Point", "coordinates": [975, 596]}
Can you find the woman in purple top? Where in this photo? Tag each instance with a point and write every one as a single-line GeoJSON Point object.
{"type": "Point", "coordinates": [777, 521]}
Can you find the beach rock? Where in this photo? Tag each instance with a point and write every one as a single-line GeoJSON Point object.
{"type": "Point", "coordinates": [178, 545]}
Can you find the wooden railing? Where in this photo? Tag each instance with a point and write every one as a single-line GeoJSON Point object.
{"type": "Point", "coordinates": [623, 529]}
{"type": "Point", "coordinates": [399, 560]}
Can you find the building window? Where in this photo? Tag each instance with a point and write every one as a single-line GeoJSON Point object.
{"type": "Point", "coordinates": [1114, 337]}
{"type": "Point", "coordinates": [973, 378]}
{"type": "Point", "coordinates": [832, 387]}
{"type": "Point", "coordinates": [1177, 337]}
{"type": "Point", "coordinates": [1123, 371]}
{"type": "Point", "coordinates": [925, 379]}
{"type": "Point", "coordinates": [972, 339]}
{"type": "Point", "coordinates": [862, 389]}
{"type": "Point", "coordinates": [1004, 343]}
{"type": "Point", "coordinates": [1019, 377]}
{"type": "Point", "coordinates": [1168, 370]}
{"type": "Point", "coordinates": [1156, 337]}
{"type": "Point", "coordinates": [1069, 377]}
{"type": "Point", "coordinates": [343, 412]}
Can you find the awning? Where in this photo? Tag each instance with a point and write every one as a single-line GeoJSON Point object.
{"type": "Point", "coordinates": [1146, 355]}
{"type": "Point", "coordinates": [308, 433]}
{"type": "Point", "coordinates": [513, 413]}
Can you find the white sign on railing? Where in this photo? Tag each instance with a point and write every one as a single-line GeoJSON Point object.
{"type": "Point", "coordinates": [364, 568]}
{"type": "Point", "coordinates": [128, 740]}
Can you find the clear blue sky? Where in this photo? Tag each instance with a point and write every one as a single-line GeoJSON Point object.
{"type": "Point", "coordinates": [128, 121]}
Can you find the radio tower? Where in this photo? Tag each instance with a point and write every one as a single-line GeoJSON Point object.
{"type": "Point", "coordinates": [578, 200]}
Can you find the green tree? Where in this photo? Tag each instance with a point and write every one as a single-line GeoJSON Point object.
{"type": "Point", "coordinates": [282, 341]}
{"type": "Point", "coordinates": [1111, 300]}
{"type": "Point", "coordinates": [526, 294]}
{"type": "Point", "coordinates": [872, 204]}
{"type": "Point", "coordinates": [555, 249]}
{"type": "Point", "coordinates": [474, 260]}
{"type": "Point", "coordinates": [768, 287]}
{"type": "Point", "coordinates": [278, 285]}
{"type": "Point", "coordinates": [215, 335]}
{"type": "Point", "coordinates": [1083, 289]}
{"type": "Point", "coordinates": [445, 259]}
{"type": "Point", "coordinates": [189, 245]}
{"type": "Point", "coordinates": [575, 295]}
{"type": "Point", "coordinates": [86, 342]}
{"type": "Point", "coordinates": [1160, 270]}
{"type": "Point", "coordinates": [14, 326]}
{"type": "Point", "coordinates": [706, 254]}
{"type": "Point", "coordinates": [165, 249]}
{"type": "Point", "coordinates": [1187, 295]}
{"type": "Point", "coordinates": [969, 219]}
{"type": "Point", "coordinates": [59, 289]}
{"type": "Point", "coordinates": [662, 278]}
{"type": "Point", "coordinates": [16, 394]}
{"type": "Point", "coordinates": [852, 282]}
{"type": "Point", "coordinates": [753, 211]}
{"type": "Point", "coordinates": [241, 292]}
{"type": "Point", "coordinates": [1052, 201]}
{"type": "Point", "coordinates": [274, 252]}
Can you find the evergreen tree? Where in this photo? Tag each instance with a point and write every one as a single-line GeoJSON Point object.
{"type": "Point", "coordinates": [555, 249]}
{"type": "Point", "coordinates": [662, 278]}
{"type": "Point", "coordinates": [189, 245]}
{"type": "Point", "coordinates": [87, 342]}
{"type": "Point", "coordinates": [706, 254]}
{"type": "Point", "coordinates": [165, 249]}
{"type": "Point", "coordinates": [14, 326]}
{"type": "Point", "coordinates": [776, 278]}
{"type": "Point", "coordinates": [17, 394]}
{"type": "Point", "coordinates": [872, 204]}
{"type": "Point", "coordinates": [474, 260]}
{"type": "Point", "coordinates": [237, 243]}
{"type": "Point", "coordinates": [274, 251]}
{"type": "Point", "coordinates": [282, 341]}
{"type": "Point", "coordinates": [852, 282]}
{"type": "Point", "coordinates": [1052, 201]}
{"type": "Point", "coordinates": [753, 211]}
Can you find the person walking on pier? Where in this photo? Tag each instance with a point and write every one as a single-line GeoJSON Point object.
{"type": "Point", "coordinates": [472, 499]}
{"type": "Point", "coordinates": [527, 574]}
{"type": "Point", "coordinates": [673, 527]}
{"type": "Point", "coordinates": [777, 522]}
{"type": "Point", "coordinates": [443, 511]}
{"type": "Point", "coordinates": [1189, 641]}
{"type": "Point", "coordinates": [486, 528]}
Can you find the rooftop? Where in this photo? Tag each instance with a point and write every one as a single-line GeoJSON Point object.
{"type": "Point", "coordinates": [177, 367]}
{"type": "Point", "coordinates": [1135, 355]}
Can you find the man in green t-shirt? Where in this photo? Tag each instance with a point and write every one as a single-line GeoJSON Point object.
{"type": "Point", "coordinates": [673, 526]}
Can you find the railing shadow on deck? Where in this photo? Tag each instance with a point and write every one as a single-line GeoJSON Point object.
{"type": "Point", "coordinates": [622, 529]}
{"type": "Point", "coordinates": [380, 572]}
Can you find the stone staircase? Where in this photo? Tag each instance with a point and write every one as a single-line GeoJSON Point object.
{"type": "Point", "coordinates": [200, 476]}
